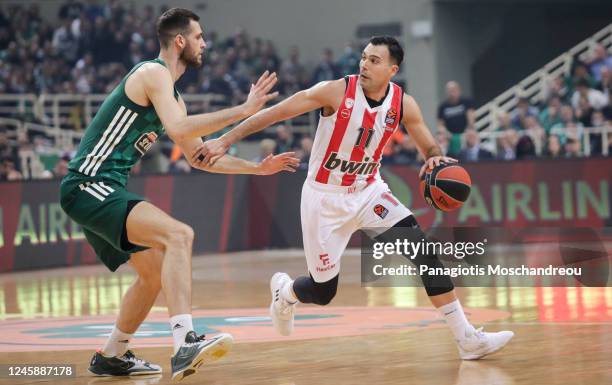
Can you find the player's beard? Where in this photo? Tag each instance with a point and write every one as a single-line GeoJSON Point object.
{"type": "Point", "coordinates": [190, 57]}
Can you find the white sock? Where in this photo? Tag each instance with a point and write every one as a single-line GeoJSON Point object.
{"type": "Point", "coordinates": [287, 293]}
{"type": "Point", "coordinates": [180, 324]}
{"type": "Point", "coordinates": [117, 343]}
{"type": "Point", "coordinates": [455, 319]}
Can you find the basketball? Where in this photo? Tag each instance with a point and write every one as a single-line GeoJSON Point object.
{"type": "Point", "coordinates": [446, 187]}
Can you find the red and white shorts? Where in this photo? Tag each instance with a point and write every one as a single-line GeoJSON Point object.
{"type": "Point", "coordinates": [331, 214]}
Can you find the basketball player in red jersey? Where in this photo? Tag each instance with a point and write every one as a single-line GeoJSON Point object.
{"type": "Point", "coordinates": [344, 191]}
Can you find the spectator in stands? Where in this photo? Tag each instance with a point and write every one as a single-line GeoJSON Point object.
{"type": "Point", "coordinates": [443, 139]}
{"type": "Point", "coordinates": [535, 131]}
{"type": "Point", "coordinates": [284, 139]}
{"type": "Point", "coordinates": [522, 111]}
{"type": "Point", "coordinates": [506, 144]}
{"type": "Point", "coordinates": [608, 127]}
{"type": "Point", "coordinates": [71, 9]}
{"type": "Point", "coordinates": [8, 150]}
{"type": "Point", "coordinates": [553, 147]}
{"type": "Point", "coordinates": [503, 121]}
{"type": "Point", "coordinates": [525, 148]}
{"type": "Point", "coordinates": [473, 152]}
{"type": "Point", "coordinates": [580, 72]}
{"type": "Point", "coordinates": [326, 69]}
{"type": "Point", "coordinates": [61, 167]}
{"type": "Point", "coordinates": [8, 172]}
{"type": "Point", "coordinates": [455, 115]}
{"type": "Point", "coordinates": [595, 98]}
{"type": "Point", "coordinates": [567, 119]}
{"type": "Point", "coordinates": [267, 59]}
{"type": "Point", "coordinates": [220, 82]}
{"type": "Point", "coordinates": [600, 59]}
{"type": "Point", "coordinates": [584, 112]}
{"type": "Point", "coordinates": [349, 61]}
{"type": "Point", "coordinates": [605, 82]}
{"type": "Point", "coordinates": [406, 151]}
{"type": "Point", "coordinates": [572, 147]}
{"type": "Point", "coordinates": [595, 138]}
{"type": "Point", "coordinates": [65, 42]}
{"type": "Point", "coordinates": [551, 115]}
{"type": "Point", "coordinates": [557, 87]}
{"type": "Point", "coordinates": [292, 76]}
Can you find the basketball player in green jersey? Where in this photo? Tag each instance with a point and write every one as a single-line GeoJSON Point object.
{"type": "Point", "coordinates": [122, 226]}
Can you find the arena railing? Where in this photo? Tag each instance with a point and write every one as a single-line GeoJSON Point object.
{"type": "Point", "coordinates": [489, 140]}
{"type": "Point", "coordinates": [534, 87]}
{"type": "Point", "coordinates": [75, 111]}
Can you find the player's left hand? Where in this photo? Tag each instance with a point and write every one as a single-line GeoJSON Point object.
{"type": "Point", "coordinates": [277, 163]}
{"type": "Point", "coordinates": [260, 93]}
{"type": "Point", "coordinates": [209, 152]}
{"type": "Point", "coordinates": [434, 161]}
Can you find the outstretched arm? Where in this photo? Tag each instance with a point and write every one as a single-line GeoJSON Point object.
{"type": "Point", "coordinates": [324, 94]}
{"type": "Point", "coordinates": [228, 164]}
{"type": "Point", "coordinates": [232, 165]}
{"type": "Point", "coordinates": [159, 88]}
{"type": "Point", "coordinates": [412, 119]}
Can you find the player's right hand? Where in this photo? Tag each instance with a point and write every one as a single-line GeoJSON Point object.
{"type": "Point", "coordinates": [209, 152]}
{"type": "Point", "coordinates": [259, 94]}
{"type": "Point", "coordinates": [277, 163]}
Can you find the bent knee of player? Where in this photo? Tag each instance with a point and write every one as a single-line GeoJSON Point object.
{"type": "Point", "coordinates": [179, 235]}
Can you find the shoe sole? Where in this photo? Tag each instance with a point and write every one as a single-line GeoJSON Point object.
{"type": "Point", "coordinates": [150, 373]}
{"type": "Point", "coordinates": [210, 353]}
{"type": "Point", "coordinates": [278, 330]}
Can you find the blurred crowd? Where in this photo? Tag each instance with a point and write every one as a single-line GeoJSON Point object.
{"type": "Point", "coordinates": [553, 127]}
{"type": "Point", "coordinates": [93, 45]}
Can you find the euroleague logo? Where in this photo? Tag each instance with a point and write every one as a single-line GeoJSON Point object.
{"type": "Point", "coordinates": [345, 113]}
{"type": "Point", "coordinates": [381, 211]}
{"type": "Point", "coordinates": [144, 143]}
{"type": "Point", "coordinates": [390, 118]}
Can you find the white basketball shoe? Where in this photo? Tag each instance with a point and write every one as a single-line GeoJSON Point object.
{"type": "Point", "coordinates": [479, 344]}
{"type": "Point", "coordinates": [281, 310]}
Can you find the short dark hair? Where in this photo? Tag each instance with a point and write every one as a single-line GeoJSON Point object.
{"type": "Point", "coordinates": [173, 22]}
{"type": "Point", "coordinates": [395, 49]}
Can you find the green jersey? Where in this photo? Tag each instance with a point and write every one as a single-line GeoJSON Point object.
{"type": "Point", "coordinates": [117, 137]}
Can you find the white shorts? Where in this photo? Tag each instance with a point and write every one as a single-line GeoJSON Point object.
{"type": "Point", "coordinates": [331, 214]}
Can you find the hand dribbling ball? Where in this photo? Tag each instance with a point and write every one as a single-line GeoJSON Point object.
{"type": "Point", "coordinates": [446, 187]}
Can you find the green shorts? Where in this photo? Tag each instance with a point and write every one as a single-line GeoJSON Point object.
{"type": "Point", "coordinates": [101, 208]}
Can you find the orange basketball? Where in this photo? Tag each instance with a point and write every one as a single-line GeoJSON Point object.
{"type": "Point", "coordinates": [446, 187]}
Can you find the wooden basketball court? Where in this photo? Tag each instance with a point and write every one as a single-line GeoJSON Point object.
{"type": "Point", "coordinates": [366, 336]}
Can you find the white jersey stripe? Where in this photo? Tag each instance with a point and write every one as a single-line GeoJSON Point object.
{"type": "Point", "coordinates": [107, 144]}
{"type": "Point", "coordinates": [95, 194]}
{"type": "Point", "coordinates": [110, 189]}
{"type": "Point", "coordinates": [112, 147]}
{"type": "Point", "coordinates": [100, 189]}
{"type": "Point", "coordinates": [106, 133]}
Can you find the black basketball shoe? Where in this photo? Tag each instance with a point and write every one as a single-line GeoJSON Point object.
{"type": "Point", "coordinates": [196, 351]}
{"type": "Point", "coordinates": [126, 365]}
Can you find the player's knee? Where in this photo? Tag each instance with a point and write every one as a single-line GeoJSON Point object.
{"type": "Point", "coordinates": [180, 235]}
{"type": "Point", "coordinates": [325, 291]}
{"type": "Point", "coordinates": [325, 298]}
